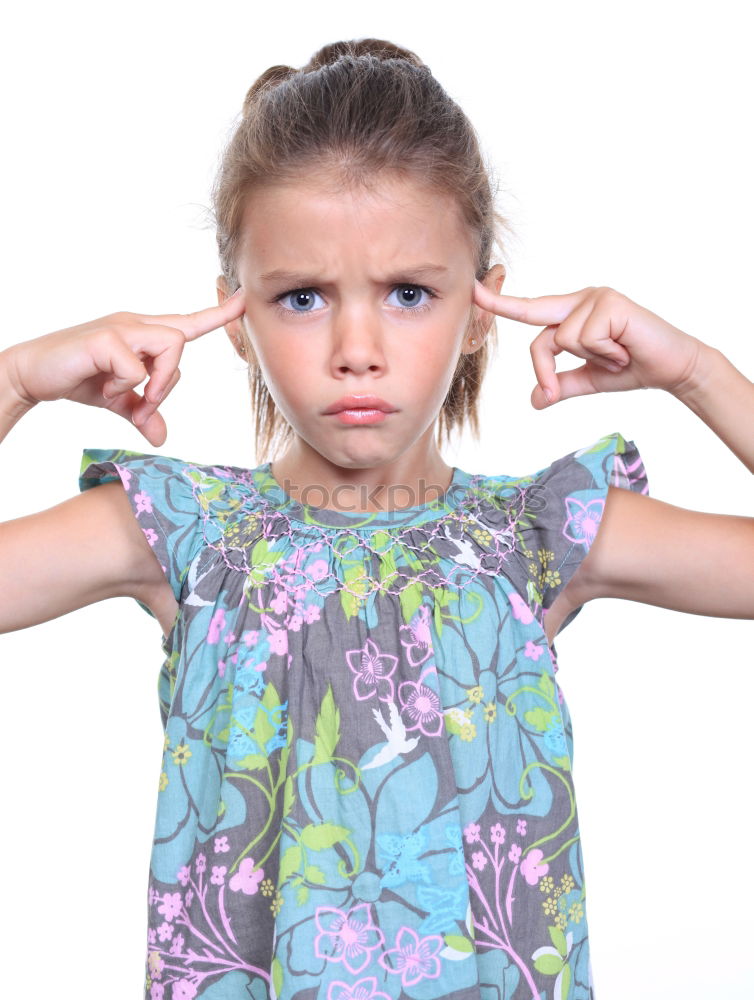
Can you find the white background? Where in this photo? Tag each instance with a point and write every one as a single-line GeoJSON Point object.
{"type": "Point", "coordinates": [621, 135]}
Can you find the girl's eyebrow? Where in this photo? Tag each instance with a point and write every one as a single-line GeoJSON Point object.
{"type": "Point", "coordinates": [302, 278]}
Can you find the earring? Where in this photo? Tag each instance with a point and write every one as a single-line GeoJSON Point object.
{"type": "Point", "coordinates": [473, 342]}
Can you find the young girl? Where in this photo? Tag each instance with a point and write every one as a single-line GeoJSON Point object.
{"type": "Point", "coordinates": [366, 788]}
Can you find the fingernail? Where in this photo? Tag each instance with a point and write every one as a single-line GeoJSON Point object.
{"type": "Point", "coordinates": [614, 367]}
{"type": "Point", "coordinates": [548, 394]}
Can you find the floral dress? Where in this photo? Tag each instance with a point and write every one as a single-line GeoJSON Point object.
{"type": "Point", "coordinates": [366, 789]}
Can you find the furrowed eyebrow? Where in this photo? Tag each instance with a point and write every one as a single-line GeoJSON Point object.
{"type": "Point", "coordinates": [302, 279]}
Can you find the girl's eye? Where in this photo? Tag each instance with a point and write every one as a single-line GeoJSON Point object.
{"type": "Point", "coordinates": [415, 292]}
{"type": "Point", "coordinates": [300, 299]}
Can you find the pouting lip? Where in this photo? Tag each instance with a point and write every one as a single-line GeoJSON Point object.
{"type": "Point", "coordinates": [360, 403]}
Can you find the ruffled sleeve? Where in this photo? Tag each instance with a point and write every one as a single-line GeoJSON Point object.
{"type": "Point", "coordinates": [562, 509]}
{"type": "Point", "coordinates": [163, 502]}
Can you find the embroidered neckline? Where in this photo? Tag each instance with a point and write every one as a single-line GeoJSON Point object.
{"type": "Point", "coordinates": [274, 499]}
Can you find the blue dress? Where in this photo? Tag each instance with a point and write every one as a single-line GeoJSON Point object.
{"type": "Point", "coordinates": [366, 789]}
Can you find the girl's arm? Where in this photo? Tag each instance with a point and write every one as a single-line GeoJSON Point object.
{"type": "Point", "coordinates": [646, 550]}
{"type": "Point", "coordinates": [724, 399]}
{"type": "Point", "coordinates": [89, 548]}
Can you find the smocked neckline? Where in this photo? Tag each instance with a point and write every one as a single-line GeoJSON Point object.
{"type": "Point", "coordinates": [274, 497]}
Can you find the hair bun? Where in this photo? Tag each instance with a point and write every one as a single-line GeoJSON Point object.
{"type": "Point", "coordinates": [377, 47]}
{"type": "Point", "coordinates": [271, 76]}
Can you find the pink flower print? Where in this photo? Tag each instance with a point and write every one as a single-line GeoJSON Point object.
{"type": "Point", "coordinates": [531, 867]}
{"type": "Point", "coordinates": [245, 879]}
{"type": "Point", "coordinates": [184, 875]}
{"type": "Point", "coordinates": [125, 476]}
{"type": "Point", "coordinates": [153, 895]}
{"type": "Point", "coordinates": [151, 536]}
{"type": "Point", "coordinates": [317, 570]}
{"type": "Point", "coordinates": [497, 834]}
{"type": "Point", "coordinates": [221, 668]}
{"type": "Point", "coordinates": [422, 706]}
{"type": "Point", "coordinates": [521, 828]}
{"type": "Point", "coordinates": [201, 864]}
{"type": "Point", "coordinates": [177, 946]}
{"type": "Point", "coordinates": [216, 626]}
{"type": "Point", "coordinates": [514, 854]}
{"type": "Point", "coordinates": [170, 906]}
{"type": "Point", "coordinates": [479, 860]}
{"type": "Point", "coordinates": [165, 931]}
{"type": "Point", "coordinates": [228, 638]}
{"type": "Point", "coordinates": [521, 610]}
{"type": "Point", "coordinates": [251, 637]}
{"type": "Point", "coordinates": [189, 898]}
{"type": "Point", "coordinates": [280, 601]}
{"type": "Point", "coordinates": [218, 875]}
{"type": "Point", "coordinates": [183, 990]}
{"type": "Point", "coordinates": [294, 623]}
{"type": "Point", "coordinates": [157, 991]}
{"type": "Point", "coordinates": [583, 520]}
{"type": "Point", "coordinates": [533, 650]}
{"type": "Point", "coordinates": [143, 503]}
{"type": "Point", "coordinates": [347, 937]}
{"type": "Point", "coordinates": [373, 671]}
{"type": "Point", "coordinates": [418, 645]}
{"type": "Point", "coordinates": [312, 614]}
{"type": "Point", "coordinates": [221, 845]}
{"type": "Point", "coordinates": [278, 642]}
{"type": "Point", "coordinates": [151, 935]}
{"type": "Point", "coordinates": [364, 989]}
{"type": "Point", "coordinates": [471, 832]}
{"type": "Point", "coordinates": [414, 958]}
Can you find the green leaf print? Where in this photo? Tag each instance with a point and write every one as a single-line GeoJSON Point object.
{"type": "Point", "coordinates": [411, 599]}
{"type": "Point", "coordinates": [289, 796]}
{"type": "Point", "coordinates": [546, 685]}
{"type": "Point", "coordinates": [327, 729]}
{"type": "Point", "coordinates": [264, 730]}
{"type": "Point", "coordinates": [277, 976]}
{"type": "Point", "coordinates": [548, 965]}
{"type": "Point", "coordinates": [291, 861]}
{"type": "Point", "coordinates": [261, 560]}
{"type": "Point", "coordinates": [315, 874]}
{"type": "Point", "coordinates": [352, 598]}
{"type": "Point", "coordinates": [565, 982]}
{"type": "Point", "coordinates": [458, 942]}
{"type": "Point", "coordinates": [539, 719]}
{"type": "Point", "coordinates": [302, 895]}
{"type": "Point", "coordinates": [252, 762]}
{"type": "Point", "coordinates": [320, 836]}
{"type": "Point", "coordinates": [558, 939]}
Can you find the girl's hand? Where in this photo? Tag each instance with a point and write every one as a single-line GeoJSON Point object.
{"type": "Point", "coordinates": [624, 345]}
{"type": "Point", "coordinates": [99, 363]}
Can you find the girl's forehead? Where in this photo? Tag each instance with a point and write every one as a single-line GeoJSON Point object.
{"type": "Point", "coordinates": [389, 219]}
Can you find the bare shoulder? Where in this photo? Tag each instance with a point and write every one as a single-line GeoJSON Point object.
{"type": "Point", "coordinates": [87, 548]}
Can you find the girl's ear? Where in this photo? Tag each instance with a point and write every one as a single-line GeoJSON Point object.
{"type": "Point", "coordinates": [493, 280]}
{"type": "Point", "coordinates": [234, 328]}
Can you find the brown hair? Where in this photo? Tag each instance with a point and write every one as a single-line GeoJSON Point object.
{"type": "Point", "coordinates": [355, 109]}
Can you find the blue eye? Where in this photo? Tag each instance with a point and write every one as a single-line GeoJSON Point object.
{"type": "Point", "coordinates": [414, 295]}
{"type": "Point", "coordinates": [303, 298]}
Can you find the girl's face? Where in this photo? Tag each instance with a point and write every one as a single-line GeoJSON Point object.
{"type": "Point", "coordinates": [376, 299]}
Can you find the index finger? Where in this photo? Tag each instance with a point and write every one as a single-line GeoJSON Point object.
{"type": "Point", "coordinates": [196, 324]}
{"type": "Point", "coordinates": [545, 310]}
